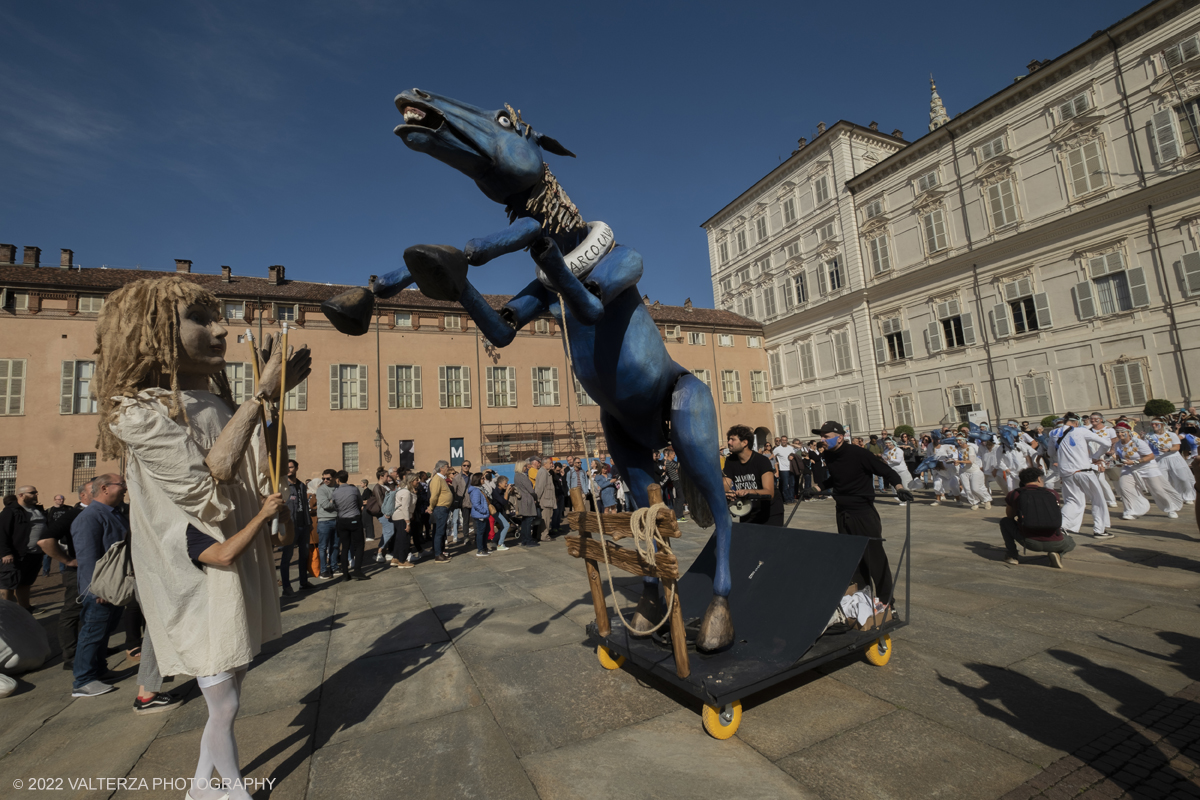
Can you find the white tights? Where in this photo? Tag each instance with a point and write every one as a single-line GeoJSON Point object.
{"type": "Point", "coordinates": [218, 748]}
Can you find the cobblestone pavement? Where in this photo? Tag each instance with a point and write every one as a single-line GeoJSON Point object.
{"type": "Point", "coordinates": [477, 678]}
{"type": "Point", "coordinates": [1154, 755]}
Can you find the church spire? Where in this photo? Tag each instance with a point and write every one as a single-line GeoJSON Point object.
{"type": "Point", "coordinates": [937, 111]}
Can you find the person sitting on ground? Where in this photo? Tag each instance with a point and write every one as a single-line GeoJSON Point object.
{"type": "Point", "coordinates": [1034, 519]}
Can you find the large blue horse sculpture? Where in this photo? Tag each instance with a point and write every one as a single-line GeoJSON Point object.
{"type": "Point", "coordinates": [646, 399]}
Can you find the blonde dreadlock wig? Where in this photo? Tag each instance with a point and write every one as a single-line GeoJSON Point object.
{"type": "Point", "coordinates": [137, 347]}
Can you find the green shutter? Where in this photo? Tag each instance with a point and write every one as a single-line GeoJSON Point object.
{"type": "Point", "coordinates": [416, 386]}
{"type": "Point", "coordinates": [335, 388]}
{"type": "Point", "coordinates": [66, 399]}
{"type": "Point", "coordinates": [392, 400]}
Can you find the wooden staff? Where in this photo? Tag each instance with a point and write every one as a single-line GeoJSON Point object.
{"type": "Point", "coordinates": [282, 403]}
{"type": "Point", "coordinates": [262, 411]}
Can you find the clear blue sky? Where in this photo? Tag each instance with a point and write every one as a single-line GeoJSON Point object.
{"type": "Point", "coordinates": [252, 134]}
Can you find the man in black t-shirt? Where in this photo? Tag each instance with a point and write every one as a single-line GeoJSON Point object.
{"type": "Point", "coordinates": [751, 475]}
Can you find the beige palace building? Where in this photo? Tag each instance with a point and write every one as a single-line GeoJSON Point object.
{"type": "Point", "coordinates": [424, 377]}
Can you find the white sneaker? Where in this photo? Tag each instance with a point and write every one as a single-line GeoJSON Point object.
{"type": "Point", "coordinates": [1128, 516]}
{"type": "Point", "coordinates": [902, 505]}
{"type": "Point", "coordinates": [502, 547]}
{"type": "Point", "coordinates": [379, 557]}
{"type": "Point", "coordinates": [1112, 505]}
{"type": "Point", "coordinates": [935, 503]}
{"type": "Point", "coordinates": [975, 507]}
{"type": "Point", "coordinates": [1172, 515]}
{"type": "Point", "coordinates": [1189, 502]}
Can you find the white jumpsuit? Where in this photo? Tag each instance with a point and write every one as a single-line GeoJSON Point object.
{"type": "Point", "coordinates": [1165, 496]}
{"type": "Point", "coordinates": [1080, 483]}
{"type": "Point", "coordinates": [1173, 464]}
{"type": "Point", "coordinates": [970, 478]}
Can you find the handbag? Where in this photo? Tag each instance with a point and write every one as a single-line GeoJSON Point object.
{"type": "Point", "coordinates": [112, 580]}
{"type": "Point", "coordinates": [372, 507]}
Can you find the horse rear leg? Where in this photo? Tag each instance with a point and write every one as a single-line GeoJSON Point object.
{"type": "Point", "coordinates": [695, 436]}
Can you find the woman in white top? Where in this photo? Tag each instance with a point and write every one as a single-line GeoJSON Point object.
{"type": "Point", "coordinates": [1138, 464]}
{"type": "Point", "coordinates": [894, 457]}
{"type": "Point", "coordinates": [1165, 445]}
{"type": "Point", "coordinates": [406, 503]}
{"type": "Point", "coordinates": [972, 489]}
{"type": "Point", "coordinates": [196, 467]}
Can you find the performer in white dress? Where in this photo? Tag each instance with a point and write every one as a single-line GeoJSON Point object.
{"type": "Point", "coordinates": [972, 488]}
{"type": "Point", "coordinates": [1165, 444]}
{"type": "Point", "coordinates": [894, 457]}
{"type": "Point", "coordinates": [1138, 466]}
{"type": "Point", "coordinates": [200, 500]}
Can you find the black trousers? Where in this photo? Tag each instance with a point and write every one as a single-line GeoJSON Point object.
{"type": "Point", "coordinates": [863, 520]}
{"type": "Point", "coordinates": [351, 542]}
{"type": "Point", "coordinates": [134, 623]}
{"type": "Point", "coordinates": [400, 540]}
{"type": "Point", "coordinates": [68, 617]}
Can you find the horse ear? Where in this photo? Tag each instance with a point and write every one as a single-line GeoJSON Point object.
{"type": "Point", "coordinates": [552, 146]}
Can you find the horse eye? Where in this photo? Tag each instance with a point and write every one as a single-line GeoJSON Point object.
{"type": "Point", "coordinates": [505, 122]}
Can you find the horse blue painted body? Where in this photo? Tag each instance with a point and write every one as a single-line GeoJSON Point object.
{"type": "Point", "coordinates": [647, 400]}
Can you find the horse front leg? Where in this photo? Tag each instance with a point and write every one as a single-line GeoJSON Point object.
{"type": "Point", "coordinates": [500, 327]}
{"type": "Point", "coordinates": [517, 236]}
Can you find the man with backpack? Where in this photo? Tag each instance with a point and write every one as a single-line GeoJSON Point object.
{"type": "Point", "coordinates": [1034, 519]}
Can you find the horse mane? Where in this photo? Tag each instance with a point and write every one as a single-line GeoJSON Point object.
{"type": "Point", "coordinates": [549, 203]}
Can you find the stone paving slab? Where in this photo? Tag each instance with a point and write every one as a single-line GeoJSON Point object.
{"type": "Point", "coordinates": [476, 678]}
{"type": "Point", "coordinates": [668, 756]}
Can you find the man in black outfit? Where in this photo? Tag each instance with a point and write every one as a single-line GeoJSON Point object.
{"type": "Point", "coordinates": [851, 472]}
{"type": "Point", "coordinates": [750, 474]}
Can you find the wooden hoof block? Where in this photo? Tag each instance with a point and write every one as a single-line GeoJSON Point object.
{"type": "Point", "coordinates": [350, 312]}
{"type": "Point", "coordinates": [440, 270]}
{"type": "Point", "coordinates": [716, 629]}
{"type": "Point", "coordinates": [649, 611]}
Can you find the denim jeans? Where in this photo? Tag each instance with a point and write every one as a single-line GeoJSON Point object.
{"type": "Point", "coordinates": [481, 532]}
{"type": "Point", "coordinates": [300, 546]}
{"type": "Point", "coordinates": [456, 517]}
{"type": "Point", "coordinates": [440, 515]}
{"type": "Point", "coordinates": [503, 523]}
{"type": "Point", "coordinates": [785, 485]}
{"type": "Point", "coordinates": [327, 545]}
{"type": "Point", "coordinates": [98, 621]}
{"type": "Point", "coordinates": [527, 529]}
{"type": "Point", "coordinates": [389, 530]}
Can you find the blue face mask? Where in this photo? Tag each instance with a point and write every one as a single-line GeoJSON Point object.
{"type": "Point", "coordinates": [832, 442]}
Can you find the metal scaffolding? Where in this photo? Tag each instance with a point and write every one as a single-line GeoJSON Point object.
{"type": "Point", "coordinates": [505, 443]}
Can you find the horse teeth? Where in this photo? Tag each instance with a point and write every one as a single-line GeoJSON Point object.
{"type": "Point", "coordinates": [412, 114]}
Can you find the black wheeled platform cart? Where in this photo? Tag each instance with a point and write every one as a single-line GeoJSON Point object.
{"type": "Point", "coordinates": [787, 583]}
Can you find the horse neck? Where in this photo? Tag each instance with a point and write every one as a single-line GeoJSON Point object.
{"type": "Point", "coordinates": [527, 205]}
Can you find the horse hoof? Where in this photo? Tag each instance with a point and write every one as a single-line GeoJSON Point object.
{"type": "Point", "coordinates": [440, 270]}
{"type": "Point", "coordinates": [716, 629]}
{"type": "Point", "coordinates": [649, 611]}
{"type": "Point", "coordinates": [350, 312]}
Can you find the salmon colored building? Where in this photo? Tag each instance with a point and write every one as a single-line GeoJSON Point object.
{"type": "Point", "coordinates": [423, 378]}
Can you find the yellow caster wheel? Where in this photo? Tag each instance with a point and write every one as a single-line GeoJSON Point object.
{"type": "Point", "coordinates": [721, 723]}
{"type": "Point", "coordinates": [606, 659]}
{"type": "Point", "coordinates": [880, 652]}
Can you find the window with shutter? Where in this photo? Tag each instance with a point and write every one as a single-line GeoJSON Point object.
{"type": "Point", "coordinates": [841, 351]}
{"type": "Point", "coordinates": [902, 410]}
{"type": "Point", "coordinates": [789, 210]}
{"type": "Point", "coordinates": [760, 228]}
{"type": "Point", "coordinates": [1165, 134]}
{"type": "Point", "coordinates": [1003, 204]}
{"type": "Point", "coordinates": [724, 340]}
{"type": "Point", "coordinates": [821, 190]}
{"type": "Point", "coordinates": [234, 310]}
{"type": "Point", "coordinates": [1074, 107]}
{"type": "Point", "coordinates": [825, 232]}
{"type": "Point", "coordinates": [873, 209]}
{"type": "Point", "coordinates": [933, 337]}
{"type": "Point", "coordinates": [297, 398]}
{"type": "Point", "coordinates": [335, 387]}
{"type": "Point", "coordinates": [776, 366]}
{"type": "Point", "coordinates": [1085, 303]}
{"type": "Point", "coordinates": [1186, 50]}
{"type": "Point", "coordinates": [833, 271]}
{"type": "Point", "coordinates": [768, 297]}
{"type": "Point", "coordinates": [748, 306]}
{"type": "Point", "coordinates": [12, 386]}
{"type": "Point", "coordinates": [75, 388]}
{"type": "Point", "coordinates": [1128, 384]}
{"type": "Point", "coordinates": [992, 148]}
{"type": "Point", "coordinates": [881, 353]}
{"type": "Point", "coordinates": [581, 396]}
{"type": "Point", "coordinates": [1035, 394]}
{"type": "Point", "coordinates": [754, 341]}
{"type": "Point", "coordinates": [808, 362]}
{"type": "Point", "coordinates": [704, 376]}
{"type": "Point", "coordinates": [1000, 323]}
{"type": "Point", "coordinates": [501, 386]}
{"type": "Point", "coordinates": [793, 249]}
{"type": "Point", "coordinates": [740, 238]}
{"type": "Point", "coordinates": [241, 380]}
{"type": "Point", "coordinates": [851, 417]}
{"type": "Point", "coordinates": [758, 386]}
{"type": "Point", "coordinates": [545, 386]}
{"type": "Point", "coordinates": [723, 252]}
{"type": "Point", "coordinates": [454, 387]}
{"type": "Point", "coordinates": [1190, 267]}
{"type": "Point", "coordinates": [731, 386]}
{"type": "Point", "coordinates": [404, 386]}
{"type": "Point", "coordinates": [1086, 169]}
{"type": "Point", "coordinates": [928, 181]}
{"type": "Point", "coordinates": [880, 258]}
{"type": "Point", "coordinates": [90, 303]}
{"type": "Point", "coordinates": [350, 457]}
{"type": "Point", "coordinates": [404, 319]}
{"type": "Point", "coordinates": [696, 337]}
{"type": "Point", "coordinates": [935, 231]}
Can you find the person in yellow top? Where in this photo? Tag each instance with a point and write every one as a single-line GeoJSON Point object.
{"type": "Point", "coordinates": [440, 498]}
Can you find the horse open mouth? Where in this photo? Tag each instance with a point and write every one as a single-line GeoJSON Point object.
{"type": "Point", "coordinates": [416, 116]}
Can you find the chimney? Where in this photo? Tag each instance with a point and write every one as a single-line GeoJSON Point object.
{"type": "Point", "coordinates": [226, 274]}
{"type": "Point", "coordinates": [899, 134]}
{"type": "Point", "coordinates": [275, 274]}
{"type": "Point", "coordinates": [687, 303]}
{"type": "Point", "coordinates": [1035, 65]}
{"type": "Point", "coordinates": [33, 256]}
{"type": "Point", "coordinates": [820, 128]}
{"type": "Point", "coordinates": [67, 256]}
{"type": "Point", "coordinates": [874, 125]}
{"type": "Point", "coordinates": [801, 142]}
{"type": "Point", "coordinates": [8, 254]}
{"type": "Point", "coordinates": [183, 265]}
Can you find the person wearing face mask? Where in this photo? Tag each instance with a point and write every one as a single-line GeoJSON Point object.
{"type": "Point", "coordinates": [851, 473]}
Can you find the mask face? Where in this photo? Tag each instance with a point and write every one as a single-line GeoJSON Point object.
{"type": "Point", "coordinates": [832, 442]}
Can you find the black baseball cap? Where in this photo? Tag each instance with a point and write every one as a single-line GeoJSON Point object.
{"type": "Point", "coordinates": [830, 427]}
